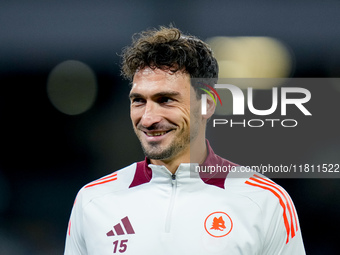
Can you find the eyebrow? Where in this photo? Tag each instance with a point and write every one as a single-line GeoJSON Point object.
{"type": "Point", "coordinates": [160, 94]}
{"type": "Point", "coordinates": [134, 95]}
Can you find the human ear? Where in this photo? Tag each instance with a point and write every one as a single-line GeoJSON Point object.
{"type": "Point", "coordinates": [211, 105]}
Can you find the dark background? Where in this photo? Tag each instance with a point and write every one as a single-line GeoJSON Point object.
{"type": "Point", "coordinates": [47, 156]}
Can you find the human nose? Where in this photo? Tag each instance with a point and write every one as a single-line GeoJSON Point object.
{"type": "Point", "coordinates": [151, 115]}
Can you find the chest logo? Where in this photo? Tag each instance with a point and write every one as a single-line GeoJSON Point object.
{"type": "Point", "coordinates": [122, 228]}
{"type": "Point", "coordinates": [119, 228]}
{"type": "Point", "coordinates": [218, 224]}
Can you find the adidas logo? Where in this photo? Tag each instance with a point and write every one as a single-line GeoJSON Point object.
{"type": "Point", "coordinates": [119, 228]}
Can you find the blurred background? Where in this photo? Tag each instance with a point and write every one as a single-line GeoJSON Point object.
{"type": "Point", "coordinates": [65, 111]}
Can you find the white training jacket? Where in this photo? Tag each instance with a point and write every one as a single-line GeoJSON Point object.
{"type": "Point", "coordinates": [143, 209]}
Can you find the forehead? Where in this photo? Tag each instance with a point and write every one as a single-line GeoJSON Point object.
{"type": "Point", "coordinates": [149, 80]}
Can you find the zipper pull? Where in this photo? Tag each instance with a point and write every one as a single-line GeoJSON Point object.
{"type": "Point", "coordinates": [173, 177]}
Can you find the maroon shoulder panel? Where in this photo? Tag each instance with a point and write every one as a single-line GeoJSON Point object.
{"type": "Point", "coordinates": [218, 177]}
{"type": "Point", "coordinates": [143, 174]}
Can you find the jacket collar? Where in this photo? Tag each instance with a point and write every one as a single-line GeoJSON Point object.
{"type": "Point", "coordinates": [145, 171]}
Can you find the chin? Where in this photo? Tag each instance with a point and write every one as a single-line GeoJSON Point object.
{"type": "Point", "coordinates": [158, 153]}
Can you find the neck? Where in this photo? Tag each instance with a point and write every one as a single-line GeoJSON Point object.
{"type": "Point", "coordinates": [196, 152]}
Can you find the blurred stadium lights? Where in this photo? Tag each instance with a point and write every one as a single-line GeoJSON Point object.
{"type": "Point", "coordinates": [72, 87]}
{"type": "Point", "coordinates": [246, 59]}
{"type": "Point", "coordinates": [252, 57]}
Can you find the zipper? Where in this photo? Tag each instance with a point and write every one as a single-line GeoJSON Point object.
{"type": "Point", "coordinates": [172, 203]}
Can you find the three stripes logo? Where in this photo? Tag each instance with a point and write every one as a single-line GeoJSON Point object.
{"type": "Point", "coordinates": [106, 179]}
{"type": "Point", "coordinates": [204, 98]}
{"type": "Point", "coordinates": [119, 228]}
{"type": "Point", "coordinates": [289, 214]}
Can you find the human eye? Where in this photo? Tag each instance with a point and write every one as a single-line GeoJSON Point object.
{"type": "Point", "coordinates": [165, 100]}
{"type": "Point", "coordinates": [137, 100]}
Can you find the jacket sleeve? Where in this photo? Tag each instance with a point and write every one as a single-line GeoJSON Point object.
{"type": "Point", "coordinates": [283, 231]}
{"type": "Point", "coordinates": [75, 243]}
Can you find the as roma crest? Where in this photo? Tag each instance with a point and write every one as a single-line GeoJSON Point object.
{"type": "Point", "coordinates": [218, 224]}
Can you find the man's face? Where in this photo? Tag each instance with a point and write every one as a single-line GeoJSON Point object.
{"type": "Point", "coordinates": [160, 112]}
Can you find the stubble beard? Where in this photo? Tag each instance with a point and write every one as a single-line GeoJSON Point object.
{"type": "Point", "coordinates": [157, 151]}
{"type": "Point", "coordinates": [180, 142]}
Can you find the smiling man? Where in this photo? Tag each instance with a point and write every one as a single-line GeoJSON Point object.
{"type": "Point", "coordinates": [160, 113]}
{"type": "Point", "coordinates": [160, 205]}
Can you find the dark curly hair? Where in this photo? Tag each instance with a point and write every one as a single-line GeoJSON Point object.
{"type": "Point", "coordinates": [167, 48]}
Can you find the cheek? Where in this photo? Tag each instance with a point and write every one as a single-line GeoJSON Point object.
{"type": "Point", "coordinates": [185, 115]}
{"type": "Point", "coordinates": [134, 115]}
{"type": "Point", "coordinates": [178, 116]}
{"type": "Point", "coordinates": [195, 111]}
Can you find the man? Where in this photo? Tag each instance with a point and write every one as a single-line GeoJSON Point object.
{"type": "Point", "coordinates": [161, 205]}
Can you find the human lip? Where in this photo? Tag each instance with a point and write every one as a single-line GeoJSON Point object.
{"type": "Point", "coordinates": [156, 135]}
{"type": "Point", "coordinates": [160, 133]}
